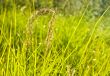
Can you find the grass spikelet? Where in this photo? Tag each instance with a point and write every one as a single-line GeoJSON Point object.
{"type": "Point", "coordinates": [70, 71]}
{"type": "Point", "coordinates": [49, 36]}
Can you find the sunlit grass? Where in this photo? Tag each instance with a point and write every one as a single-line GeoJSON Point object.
{"type": "Point", "coordinates": [78, 47]}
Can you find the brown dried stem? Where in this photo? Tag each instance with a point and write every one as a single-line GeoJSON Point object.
{"type": "Point", "coordinates": [49, 36]}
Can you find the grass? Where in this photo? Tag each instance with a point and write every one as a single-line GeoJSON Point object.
{"type": "Point", "coordinates": [77, 47]}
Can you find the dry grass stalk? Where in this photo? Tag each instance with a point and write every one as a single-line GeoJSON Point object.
{"type": "Point", "coordinates": [29, 30]}
{"type": "Point", "coordinates": [49, 36]}
{"type": "Point", "coordinates": [70, 71]}
{"type": "Point", "coordinates": [50, 32]}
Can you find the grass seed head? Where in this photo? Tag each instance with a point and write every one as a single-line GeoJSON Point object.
{"type": "Point", "coordinates": [49, 36]}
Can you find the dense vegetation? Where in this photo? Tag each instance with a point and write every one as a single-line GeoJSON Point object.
{"type": "Point", "coordinates": [54, 38]}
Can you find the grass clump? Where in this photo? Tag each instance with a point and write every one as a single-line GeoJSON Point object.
{"type": "Point", "coordinates": [78, 47]}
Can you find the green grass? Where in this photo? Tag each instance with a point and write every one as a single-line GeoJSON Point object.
{"type": "Point", "coordinates": [78, 46]}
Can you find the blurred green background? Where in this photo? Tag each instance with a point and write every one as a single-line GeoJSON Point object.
{"type": "Point", "coordinates": [71, 7]}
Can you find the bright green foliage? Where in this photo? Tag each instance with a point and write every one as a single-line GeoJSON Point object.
{"type": "Point", "coordinates": [79, 47]}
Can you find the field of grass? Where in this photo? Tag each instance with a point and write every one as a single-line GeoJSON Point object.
{"type": "Point", "coordinates": [53, 45]}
